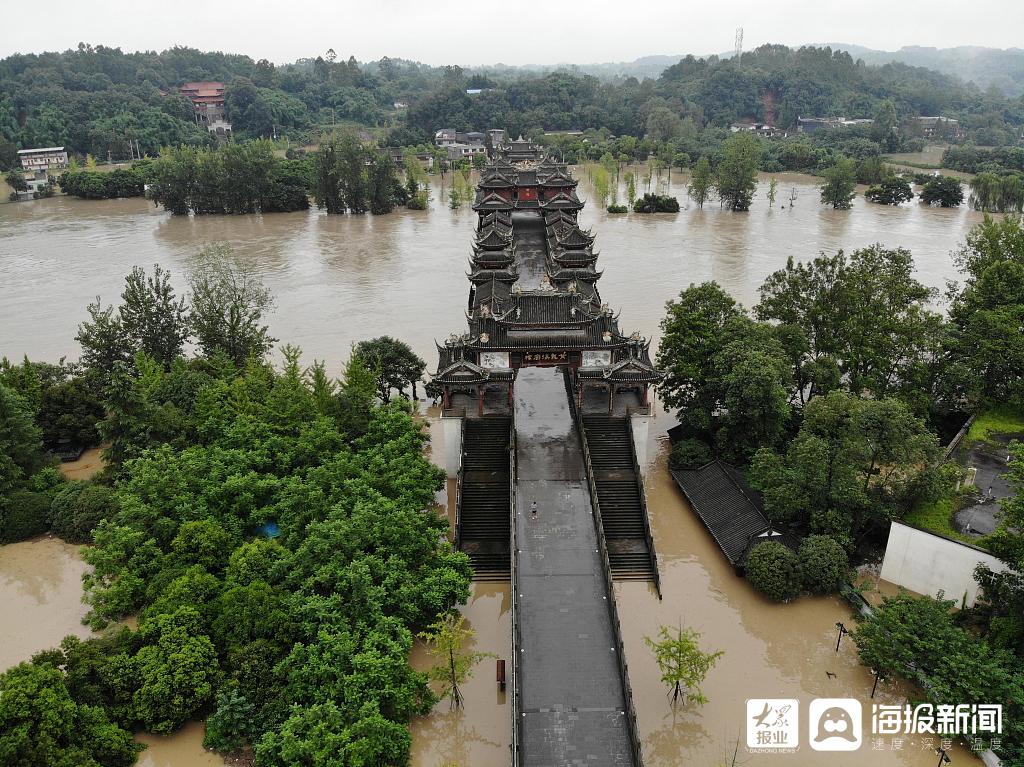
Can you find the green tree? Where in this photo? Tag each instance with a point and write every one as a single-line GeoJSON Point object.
{"type": "Point", "coordinates": [393, 362]}
{"type": "Point", "coordinates": [230, 725]}
{"type": "Point", "coordinates": [682, 663]}
{"type": "Point", "coordinates": [20, 442]}
{"type": "Point", "coordinates": [987, 311]}
{"type": "Point", "coordinates": [692, 331]}
{"type": "Point", "coordinates": [105, 342]}
{"type": "Point", "coordinates": [885, 128]}
{"type": "Point", "coordinates": [41, 724]}
{"type": "Point", "coordinates": [774, 570]}
{"type": "Point", "coordinates": [79, 507]}
{"type": "Point", "coordinates": [944, 191]}
{"type": "Point", "coordinates": [151, 315]}
{"type": "Point", "coordinates": [840, 185]}
{"type": "Point", "coordinates": [701, 182]}
{"type": "Point", "coordinates": [447, 640]}
{"type": "Point", "coordinates": [854, 465]}
{"type": "Point", "coordinates": [823, 564]}
{"type": "Point", "coordinates": [773, 186]}
{"type": "Point", "coordinates": [631, 188]}
{"type": "Point", "coordinates": [16, 180]}
{"type": "Point", "coordinates": [916, 638]}
{"type": "Point", "coordinates": [736, 174]}
{"type": "Point", "coordinates": [229, 302]}
{"type": "Point", "coordinates": [891, 191]}
{"type": "Point", "coordinates": [177, 671]}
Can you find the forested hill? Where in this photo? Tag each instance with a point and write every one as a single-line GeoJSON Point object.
{"type": "Point", "coordinates": [97, 100]}
{"type": "Point", "coordinates": [987, 67]}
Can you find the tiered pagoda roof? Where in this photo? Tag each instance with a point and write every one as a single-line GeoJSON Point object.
{"type": "Point", "coordinates": [564, 314]}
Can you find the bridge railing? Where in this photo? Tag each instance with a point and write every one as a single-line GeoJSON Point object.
{"type": "Point", "coordinates": [606, 567]}
{"type": "Point", "coordinates": [514, 587]}
{"type": "Point", "coordinates": [648, 535]}
{"type": "Point", "coordinates": [458, 484]}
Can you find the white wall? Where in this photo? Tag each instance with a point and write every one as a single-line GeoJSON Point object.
{"type": "Point", "coordinates": [452, 436]}
{"type": "Point", "coordinates": [928, 563]}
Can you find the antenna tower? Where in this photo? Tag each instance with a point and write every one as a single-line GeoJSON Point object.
{"type": "Point", "coordinates": [739, 42]}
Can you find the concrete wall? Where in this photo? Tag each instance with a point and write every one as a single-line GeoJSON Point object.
{"type": "Point", "coordinates": [928, 563]}
{"type": "Point", "coordinates": [452, 435]}
{"type": "Point", "coordinates": [641, 426]}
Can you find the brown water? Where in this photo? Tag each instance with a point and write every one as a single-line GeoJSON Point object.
{"type": "Point", "coordinates": [771, 650]}
{"type": "Point", "coordinates": [340, 279]}
{"type": "Point", "coordinates": [40, 597]}
{"type": "Point", "coordinates": [182, 749]}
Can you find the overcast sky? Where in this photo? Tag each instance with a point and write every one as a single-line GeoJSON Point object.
{"type": "Point", "coordinates": [445, 32]}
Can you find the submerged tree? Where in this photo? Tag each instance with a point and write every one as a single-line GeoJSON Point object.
{"type": "Point", "coordinates": [840, 185]}
{"type": "Point", "coordinates": [700, 182]}
{"type": "Point", "coordinates": [682, 663]}
{"type": "Point", "coordinates": [393, 362]}
{"type": "Point", "coordinates": [446, 640]}
{"type": "Point", "coordinates": [736, 174]}
{"type": "Point", "coordinates": [229, 302]}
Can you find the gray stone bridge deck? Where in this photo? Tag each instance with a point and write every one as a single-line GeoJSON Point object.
{"type": "Point", "coordinates": [572, 705]}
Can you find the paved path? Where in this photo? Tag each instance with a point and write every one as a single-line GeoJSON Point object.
{"type": "Point", "coordinates": [531, 251]}
{"type": "Point", "coordinates": [572, 693]}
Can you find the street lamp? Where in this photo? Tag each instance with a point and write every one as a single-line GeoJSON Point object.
{"type": "Point", "coordinates": [878, 675]}
{"type": "Point", "coordinates": [842, 630]}
{"type": "Point", "coordinates": [943, 756]}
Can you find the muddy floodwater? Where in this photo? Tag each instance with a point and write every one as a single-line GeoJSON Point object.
{"type": "Point", "coordinates": [771, 650]}
{"type": "Point", "coordinates": [40, 597]}
{"type": "Point", "coordinates": [340, 279]}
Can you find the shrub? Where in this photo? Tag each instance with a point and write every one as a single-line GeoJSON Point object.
{"type": "Point", "coordinates": [892, 191]}
{"type": "Point", "coordinates": [418, 201]}
{"type": "Point", "coordinates": [944, 191]}
{"type": "Point", "coordinates": [656, 203]}
{"type": "Point", "coordinates": [823, 564]}
{"type": "Point", "coordinates": [78, 508]}
{"type": "Point", "coordinates": [23, 515]}
{"type": "Point", "coordinates": [689, 454]}
{"type": "Point", "coordinates": [618, 209]}
{"type": "Point", "coordinates": [774, 570]}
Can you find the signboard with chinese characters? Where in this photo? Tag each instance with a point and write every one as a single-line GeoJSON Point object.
{"type": "Point", "coordinates": [494, 360]}
{"type": "Point", "coordinates": [597, 359]}
{"type": "Point", "coordinates": [545, 358]}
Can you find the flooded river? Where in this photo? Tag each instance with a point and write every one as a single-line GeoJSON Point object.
{"type": "Point", "coordinates": [340, 279]}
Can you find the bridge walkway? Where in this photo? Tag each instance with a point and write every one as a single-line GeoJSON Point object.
{"type": "Point", "coordinates": [572, 699]}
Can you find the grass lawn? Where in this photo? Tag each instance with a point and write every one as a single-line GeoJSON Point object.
{"type": "Point", "coordinates": [999, 420]}
{"type": "Point", "coordinates": [937, 517]}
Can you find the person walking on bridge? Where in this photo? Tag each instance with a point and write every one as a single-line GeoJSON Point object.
{"type": "Point", "coordinates": [533, 510]}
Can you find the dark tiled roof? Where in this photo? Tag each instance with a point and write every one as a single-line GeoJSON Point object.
{"type": "Point", "coordinates": [502, 336]}
{"type": "Point", "coordinates": [492, 238]}
{"type": "Point", "coordinates": [548, 308]}
{"type": "Point", "coordinates": [729, 509]}
{"type": "Point", "coordinates": [574, 257]}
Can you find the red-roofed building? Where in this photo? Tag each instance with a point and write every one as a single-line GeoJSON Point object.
{"type": "Point", "coordinates": [208, 102]}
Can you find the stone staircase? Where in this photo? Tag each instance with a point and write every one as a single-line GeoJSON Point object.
{"type": "Point", "coordinates": [620, 495]}
{"type": "Point", "coordinates": [485, 499]}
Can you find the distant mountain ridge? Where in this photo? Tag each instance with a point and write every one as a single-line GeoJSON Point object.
{"type": "Point", "coordinates": [986, 67]}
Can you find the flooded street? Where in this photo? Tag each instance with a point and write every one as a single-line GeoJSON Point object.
{"type": "Point", "coordinates": [341, 279]}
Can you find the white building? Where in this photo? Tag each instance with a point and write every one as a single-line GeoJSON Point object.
{"type": "Point", "coordinates": [43, 159]}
